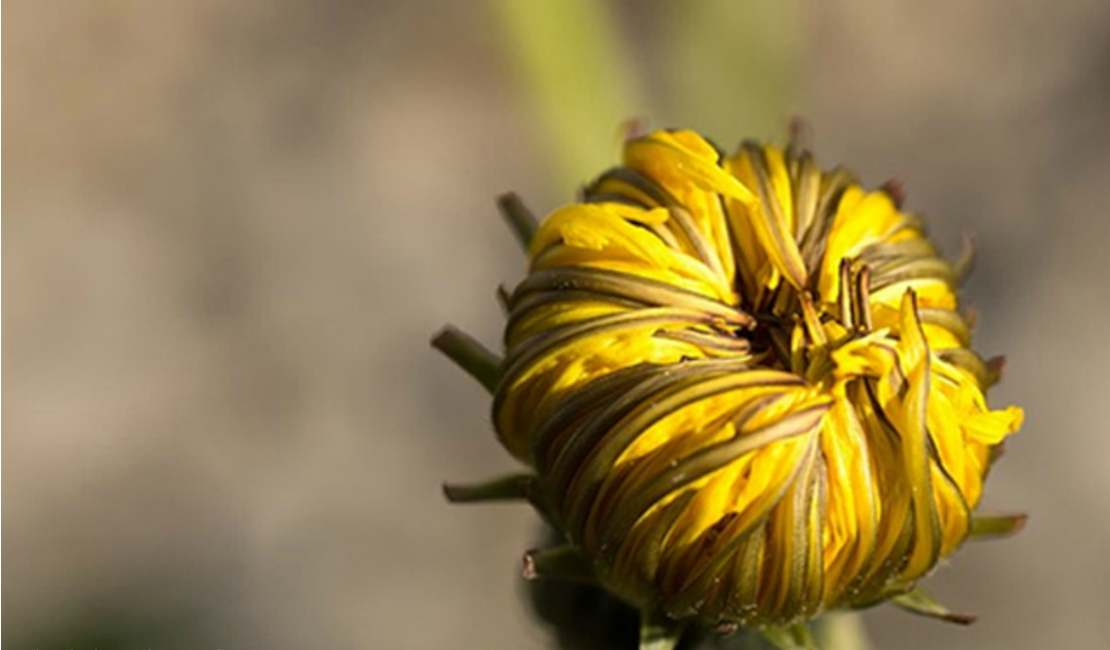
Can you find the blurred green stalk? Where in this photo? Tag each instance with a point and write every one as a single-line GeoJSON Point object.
{"type": "Point", "coordinates": [727, 69]}
{"type": "Point", "coordinates": [571, 63]}
{"type": "Point", "coordinates": [731, 69]}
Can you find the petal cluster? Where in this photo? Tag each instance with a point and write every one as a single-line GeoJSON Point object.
{"type": "Point", "coordinates": [745, 385]}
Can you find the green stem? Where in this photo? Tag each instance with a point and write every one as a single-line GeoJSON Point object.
{"type": "Point", "coordinates": [659, 632]}
{"type": "Point", "coordinates": [842, 631]}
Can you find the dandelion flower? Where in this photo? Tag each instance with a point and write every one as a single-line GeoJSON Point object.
{"type": "Point", "coordinates": [743, 387]}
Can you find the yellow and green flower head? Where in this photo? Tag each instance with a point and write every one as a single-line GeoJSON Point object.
{"type": "Point", "coordinates": [743, 387]}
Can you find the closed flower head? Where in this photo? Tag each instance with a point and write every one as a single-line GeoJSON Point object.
{"type": "Point", "coordinates": [743, 386]}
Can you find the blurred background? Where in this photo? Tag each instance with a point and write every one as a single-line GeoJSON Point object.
{"type": "Point", "coordinates": [233, 226]}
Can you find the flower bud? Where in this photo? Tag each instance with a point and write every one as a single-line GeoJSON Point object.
{"type": "Point", "coordinates": [743, 387]}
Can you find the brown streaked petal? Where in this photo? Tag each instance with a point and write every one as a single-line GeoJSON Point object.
{"type": "Point", "coordinates": [611, 442]}
{"type": "Point", "coordinates": [646, 291]}
{"type": "Point", "coordinates": [631, 507]}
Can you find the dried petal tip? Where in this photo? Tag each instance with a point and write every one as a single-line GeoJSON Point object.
{"type": "Point", "coordinates": [895, 188]}
{"type": "Point", "coordinates": [801, 135]}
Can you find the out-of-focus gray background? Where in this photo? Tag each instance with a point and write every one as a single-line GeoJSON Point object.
{"type": "Point", "coordinates": [232, 227]}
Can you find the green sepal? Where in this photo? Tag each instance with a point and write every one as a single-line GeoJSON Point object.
{"type": "Point", "coordinates": [515, 487]}
{"type": "Point", "coordinates": [993, 526]}
{"type": "Point", "coordinates": [559, 563]}
{"type": "Point", "coordinates": [519, 217]}
{"type": "Point", "coordinates": [470, 355]}
{"type": "Point", "coordinates": [919, 602]}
